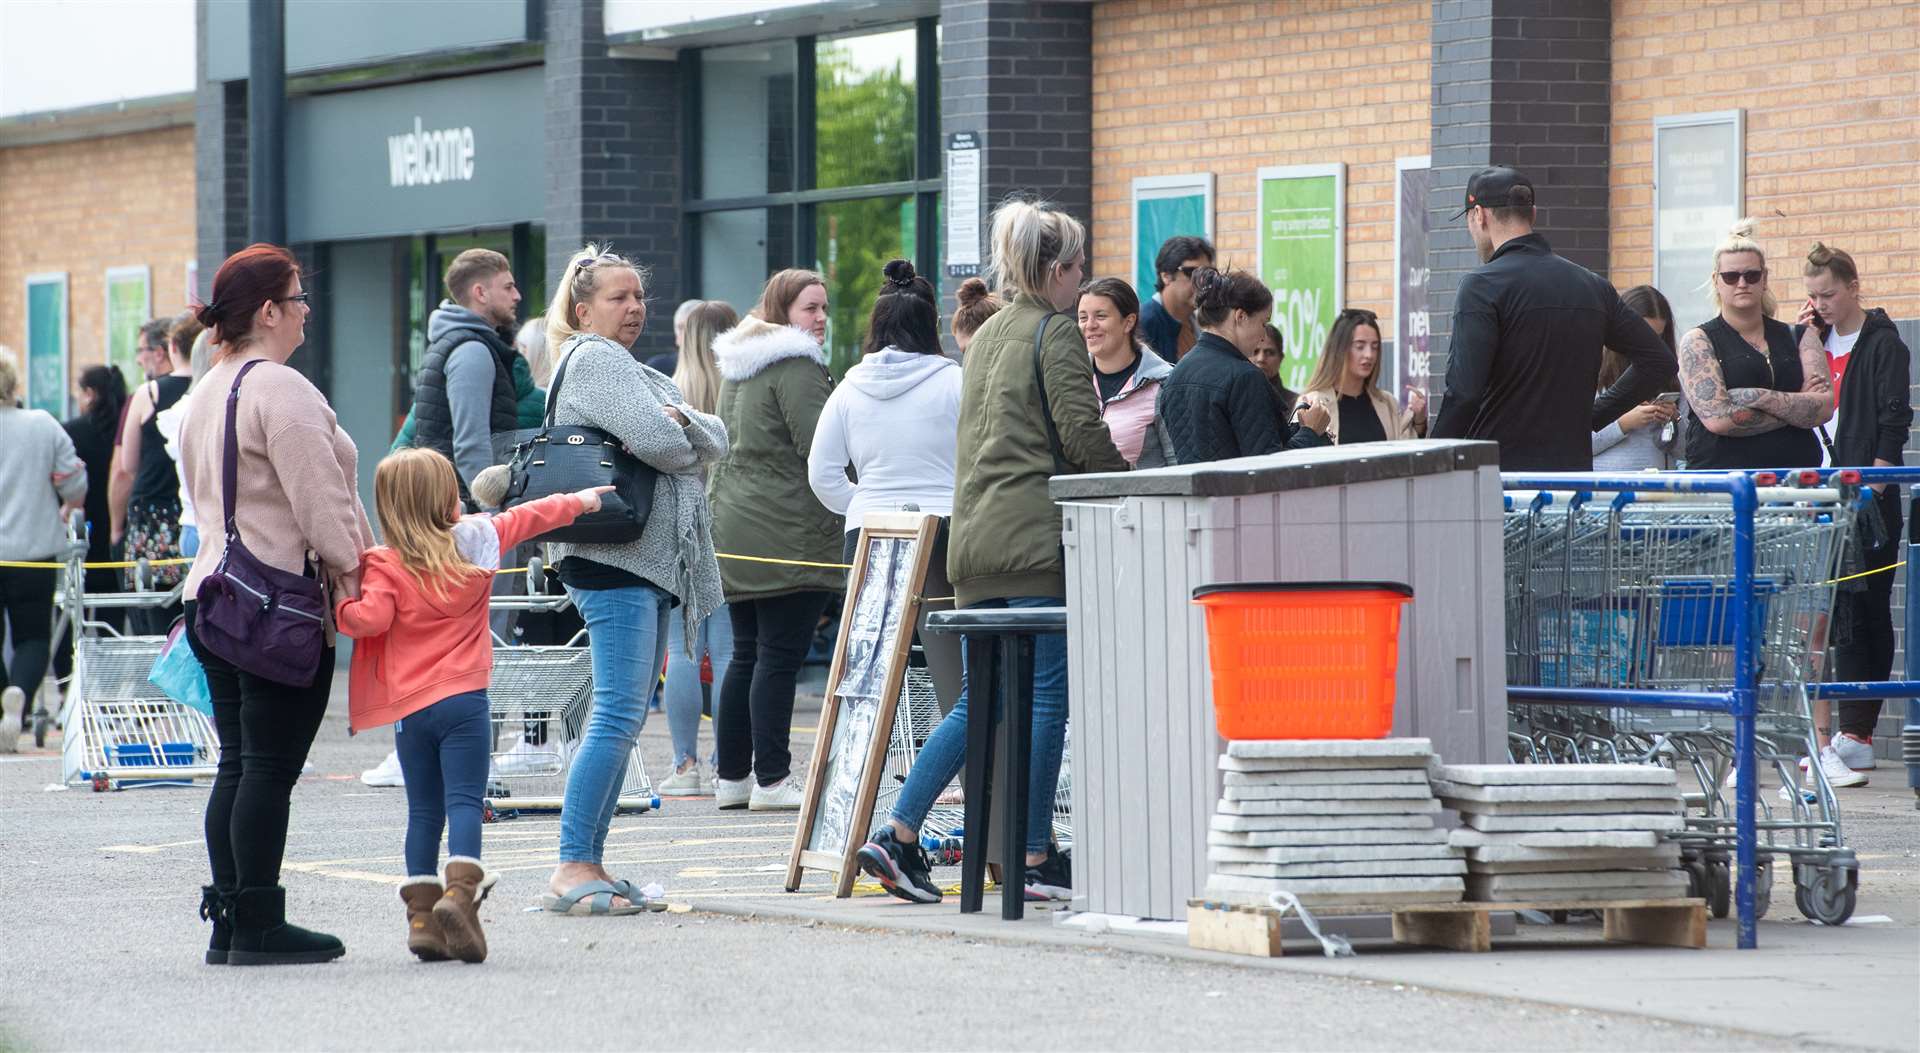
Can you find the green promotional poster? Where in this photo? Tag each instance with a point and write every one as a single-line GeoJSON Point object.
{"type": "Point", "coordinates": [128, 306]}
{"type": "Point", "coordinates": [1301, 259]}
{"type": "Point", "coordinates": [47, 344]}
{"type": "Point", "coordinates": [1166, 207]}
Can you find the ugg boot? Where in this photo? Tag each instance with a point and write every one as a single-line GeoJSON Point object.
{"type": "Point", "coordinates": [459, 908]}
{"type": "Point", "coordinates": [423, 929]}
{"type": "Point", "coordinates": [261, 935]}
{"type": "Point", "coordinates": [217, 907]}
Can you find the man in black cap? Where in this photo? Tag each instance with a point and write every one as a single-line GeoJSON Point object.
{"type": "Point", "coordinates": [1528, 327]}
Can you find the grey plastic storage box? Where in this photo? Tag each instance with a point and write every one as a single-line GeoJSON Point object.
{"type": "Point", "coordinates": [1139, 689]}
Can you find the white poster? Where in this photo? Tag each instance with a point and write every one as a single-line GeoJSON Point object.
{"type": "Point", "coordinates": [1699, 190]}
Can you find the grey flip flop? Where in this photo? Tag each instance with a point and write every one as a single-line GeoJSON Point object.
{"type": "Point", "coordinates": [635, 895]}
{"type": "Point", "coordinates": [590, 898]}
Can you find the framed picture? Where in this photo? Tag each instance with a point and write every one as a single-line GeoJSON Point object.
{"type": "Point", "coordinates": [1166, 207]}
{"type": "Point", "coordinates": [47, 343]}
{"type": "Point", "coordinates": [1410, 364]}
{"type": "Point", "coordinates": [1699, 190]}
{"type": "Point", "coordinates": [129, 306]}
{"type": "Point", "coordinates": [1302, 212]}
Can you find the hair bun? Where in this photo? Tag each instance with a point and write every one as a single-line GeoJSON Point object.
{"type": "Point", "coordinates": [1820, 255]}
{"type": "Point", "coordinates": [1208, 285]}
{"type": "Point", "coordinates": [1742, 228]}
{"type": "Point", "coordinates": [900, 273]}
{"type": "Point", "coordinates": [971, 292]}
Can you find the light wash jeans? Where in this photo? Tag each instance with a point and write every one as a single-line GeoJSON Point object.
{"type": "Point", "coordinates": [628, 632]}
{"type": "Point", "coordinates": [946, 750]}
{"type": "Point", "coordinates": [683, 677]}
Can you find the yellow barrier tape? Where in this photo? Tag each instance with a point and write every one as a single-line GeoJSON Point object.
{"type": "Point", "coordinates": [1867, 573]}
{"type": "Point", "coordinates": [118, 564]}
{"type": "Point", "coordinates": [786, 562]}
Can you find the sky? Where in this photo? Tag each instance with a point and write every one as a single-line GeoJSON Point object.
{"type": "Point", "coordinates": [61, 54]}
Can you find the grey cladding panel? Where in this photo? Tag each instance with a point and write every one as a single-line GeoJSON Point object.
{"type": "Point", "coordinates": [1291, 470]}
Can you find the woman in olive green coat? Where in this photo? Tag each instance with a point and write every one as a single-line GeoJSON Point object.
{"type": "Point", "coordinates": [773, 383]}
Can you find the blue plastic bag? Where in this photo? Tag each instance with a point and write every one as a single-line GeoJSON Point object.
{"type": "Point", "coordinates": [177, 671]}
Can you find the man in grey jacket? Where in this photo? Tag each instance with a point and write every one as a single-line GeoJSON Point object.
{"type": "Point", "coordinates": [464, 401]}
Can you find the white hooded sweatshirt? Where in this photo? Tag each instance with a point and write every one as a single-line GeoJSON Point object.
{"type": "Point", "coordinates": [896, 420]}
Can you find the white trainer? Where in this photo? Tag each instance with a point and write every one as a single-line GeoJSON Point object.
{"type": "Point", "coordinates": [782, 796]}
{"type": "Point", "coordinates": [1857, 755]}
{"type": "Point", "coordinates": [13, 707]}
{"type": "Point", "coordinates": [387, 773]}
{"type": "Point", "coordinates": [525, 758]}
{"type": "Point", "coordinates": [687, 781]}
{"type": "Point", "coordinates": [1836, 770]}
{"type": "Point", "coordinates": [733, 793]}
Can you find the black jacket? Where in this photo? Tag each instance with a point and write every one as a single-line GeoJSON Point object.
{"type": "Point", "coordinates": [432, 413]}
{"type": "Point", "coordinates": [1216, 404]}
{"type": "Point", "coordinates": [95, 448]}
{"type": "Point", "coordinates": [1874, 410]}
{"type": "Point", "coordinates": [1528, 327]}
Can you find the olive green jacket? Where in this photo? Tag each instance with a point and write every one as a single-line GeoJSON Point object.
{"type": "Point", "coordinates": [773, 382]}
{"type": "Point", "coordinates": [1005, 538]}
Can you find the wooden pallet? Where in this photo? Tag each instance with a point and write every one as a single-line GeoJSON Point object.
{"type": "Point", "coordinates": [1215, 926]}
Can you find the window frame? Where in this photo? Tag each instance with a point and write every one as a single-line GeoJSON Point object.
{"type": "Point", "coordinates": [796, 207]}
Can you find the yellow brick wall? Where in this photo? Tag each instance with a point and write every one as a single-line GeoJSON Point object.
{"type": "Point", "coordinates": [1231, 86]}
{"type": "Point", "coordinates": [1832, 94]}
{"type": "Point", "coordinates": [81, 207]}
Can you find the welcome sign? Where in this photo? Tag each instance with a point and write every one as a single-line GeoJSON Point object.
{"type": "Point", "coordinates": [1302, 258]}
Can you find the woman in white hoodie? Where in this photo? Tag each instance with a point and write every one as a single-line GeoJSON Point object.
{"type": "Point", "coordinates": [895, 419]}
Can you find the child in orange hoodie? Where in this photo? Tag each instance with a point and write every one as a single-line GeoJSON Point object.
{"type": "Point", "coordinates": [421, 661]}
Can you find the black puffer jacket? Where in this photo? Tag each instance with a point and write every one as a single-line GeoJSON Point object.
{"type": "Point", "coordinates": [1874, 411]}
{"type": "Point", "coordinates": [1217, 405]}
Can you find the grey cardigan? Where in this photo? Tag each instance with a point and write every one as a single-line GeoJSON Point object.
{"type": "Point", "coordinates": [39, 471]}
{"type": "Point", "coordinates": [607, 388]}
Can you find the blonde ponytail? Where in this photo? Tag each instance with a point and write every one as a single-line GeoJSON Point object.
{"type": "Point", "coordinates": [1029, 238]}
{"type": "Point", "coordinates": [576, 285]}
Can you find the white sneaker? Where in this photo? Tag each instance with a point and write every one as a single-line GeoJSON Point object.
{"type": "Point", "coordinates": [386, 774]}
{"type": "Point", "coordinates": [13, 703]}
{"type": "Point", "coordinates": [782, 796]}
{"type": "Point", "coordinates": [525, 758]}
{"type": "Point", "coordinates": [734, 793]}
{"type": "Point", "coordinates": [1857, 755]}
{"type": "Point", "coordinates": [1836, 770]}
{"type": "Point", "coordinates": [685, 782]}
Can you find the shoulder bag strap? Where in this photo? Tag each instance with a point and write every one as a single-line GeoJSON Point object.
{"type": "Point", "coordinates": [230, 452]}
{"type": "Point", "coordinates": [559, 376]}
{"type": "Point", "coordinates": [1046, 410]}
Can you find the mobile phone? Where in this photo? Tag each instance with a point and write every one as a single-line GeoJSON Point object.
{"type": "Point", "coordinates": [1670, 398]}
{"type": "Point", "coordinates": [1819, 324]}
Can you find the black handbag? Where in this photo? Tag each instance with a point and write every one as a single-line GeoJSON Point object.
{"type": "Point", "coordinates": [552, 459]}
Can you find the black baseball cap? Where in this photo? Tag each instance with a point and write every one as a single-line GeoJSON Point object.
{"type": "Point", "coordinates": [1497, 187]}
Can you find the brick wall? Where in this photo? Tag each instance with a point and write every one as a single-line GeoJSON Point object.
{"type": "Point", "coordinates": [1229, 86]}
{"type": "Point", "coordinates": [1832, 94]}
{"type": "Point", "coordinates": [87, 205]}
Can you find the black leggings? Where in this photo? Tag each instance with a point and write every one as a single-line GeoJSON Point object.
{"type": "Point", "coordinates": [96, 582]}
{"type": "Point", "coordinates": [770, 642]}
{"type": "Point", "coordinates": [26, 600]}
{"type": "Point", "coordinates": [1867, 651]}
{"type": "Point", "coordinates": [265, 731]}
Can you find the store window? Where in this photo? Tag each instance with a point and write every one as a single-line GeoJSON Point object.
{"type": "Point", "coordinates": [820, 152]}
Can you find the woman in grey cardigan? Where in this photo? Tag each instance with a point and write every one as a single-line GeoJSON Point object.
{"type": "Point", "coordinates": [626, 592]}
{"type": "Point", "coordinates": [41, 476]}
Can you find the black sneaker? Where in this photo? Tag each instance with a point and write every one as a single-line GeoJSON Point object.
{"type": "Point", "coordinates": [900, 868]}
{"type": "Point", "coordinates": [1052, 878]}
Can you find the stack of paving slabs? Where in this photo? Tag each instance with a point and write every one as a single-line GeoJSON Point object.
{"type": "Point", "coordinates": [1335, 822]}
{"type": "Point", "coordinates": [1547, 833]}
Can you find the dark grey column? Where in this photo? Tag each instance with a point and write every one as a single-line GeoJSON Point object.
{"type": "Point", "coordinates": [1523, 83]}
{"type": "Point", "coordinates": [219, 164]}
{"type": "Point", "coordinates": [613, 158]}
{"type": "Point", "coordinates": [1020, 73]}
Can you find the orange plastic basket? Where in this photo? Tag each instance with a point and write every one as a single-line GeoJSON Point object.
{"type": "Point", "coordinates": [1303, 660]}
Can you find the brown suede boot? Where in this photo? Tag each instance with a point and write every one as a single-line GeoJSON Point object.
{"type": "Point", "coordinates": [458, 911]}
{"type": "Point", "coordinates": [423, 929]}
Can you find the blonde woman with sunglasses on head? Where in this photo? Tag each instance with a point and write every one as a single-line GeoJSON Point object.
{"type": "Point", "coordinates": [1755, 393]}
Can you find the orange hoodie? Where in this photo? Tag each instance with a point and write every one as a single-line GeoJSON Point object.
{"type": "Point", "coordinates": [413, 649]}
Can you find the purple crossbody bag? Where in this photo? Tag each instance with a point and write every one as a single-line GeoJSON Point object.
{"type": "Point", "coordinates": [259, 618]}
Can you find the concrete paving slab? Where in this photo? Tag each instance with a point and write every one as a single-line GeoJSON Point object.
{"type": "Point", "coordinates": [1327, 853]}
{"type": "Point", "coordinates": [1427, 835]}
{"type": "Point", "coordinates": [1390, 868]}
{"type": "Point", "coordinates": [1551, 774]}
{"type": "Point", "coordinates": [1623, 806]}
{"type": "Point", "coordinates": [1414, 762]}
{"type": "Point", "coordinates": [1324, 777]}
{"type": "Point", "coordinates": [1554, 838]}
{"type": "Point", "coordinates": [1542, 792]}
{"type": "Point", "coordinates": [1321, 749]}
{"type": "Point", "coordinates": [1519, 854]}
{"type": "Point", "coordinates": [1385, 891]}
{"type": "Point", "coordinates": [1665, 882]}
{"type": "Point", "coordinates": [1422, 806]}
{"type": "Point", "coordinates": [1411, 791]}
{"type": "Point", "coordinates": [1331, 823]}
{"type": "Point", "coordinates": [1660, 824]}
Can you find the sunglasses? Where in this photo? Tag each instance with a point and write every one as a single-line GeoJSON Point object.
{"type": "Point", "coordinates": [1735, 277]}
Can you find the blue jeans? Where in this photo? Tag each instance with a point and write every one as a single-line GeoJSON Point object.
{"type": "Point", "coordinates": [445, 750]}
{"type": "Point", "coordinates": [715, 640]}
{"type": "Point", "coordinates": [946, 750]}
{"type": "Point", "coordinates": [189, 541]}
{"type": "Point", "coordinates": [628, 632]}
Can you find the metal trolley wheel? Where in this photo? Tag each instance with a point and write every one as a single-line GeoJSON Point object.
{"type": "Point", "coordinates": [1826, 894]}
{"type": "Point", "coordinates": [42, 723]}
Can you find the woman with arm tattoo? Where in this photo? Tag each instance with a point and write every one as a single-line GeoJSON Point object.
{"type": "Point", "coordinates": [1756, 396]}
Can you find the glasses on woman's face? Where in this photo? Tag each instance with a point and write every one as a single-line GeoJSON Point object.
{"type": "Point", "coordinates": [1737, 277]}
{"type": "Point", "coordinates": [304, 299]}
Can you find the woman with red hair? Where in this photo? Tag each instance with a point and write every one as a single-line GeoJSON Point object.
{"type": "Point", "coordinates": [294, 493]}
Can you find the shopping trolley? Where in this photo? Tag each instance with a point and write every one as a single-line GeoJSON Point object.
{"type": "Point", "coordinates": [1677, 619]}
{"type": "Point", "coordinates": [539, 699]}
{"type": "Point", "coordinates": [119, 730]}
